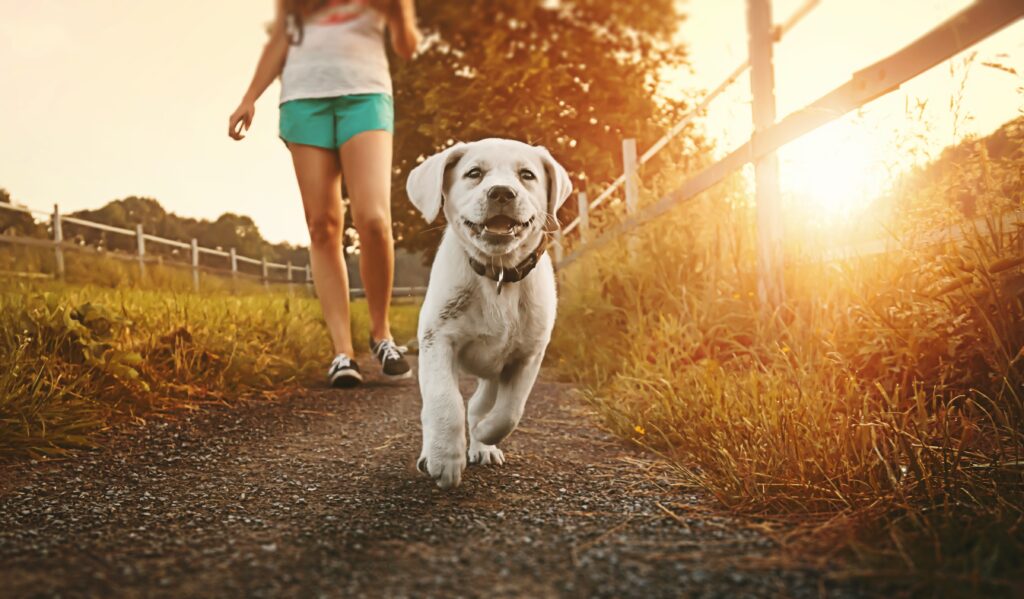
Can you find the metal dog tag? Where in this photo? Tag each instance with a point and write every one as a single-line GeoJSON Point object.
{"type": "Point", "coordinates": [501, 280]}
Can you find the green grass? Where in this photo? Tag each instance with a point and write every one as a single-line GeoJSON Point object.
{"type": "Point", "coordinates": [80, 359]}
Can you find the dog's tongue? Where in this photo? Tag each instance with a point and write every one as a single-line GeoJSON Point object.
{"type": "Point", "coordinates": [499, 224]}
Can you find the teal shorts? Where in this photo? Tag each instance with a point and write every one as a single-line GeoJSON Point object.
{"type": "Point", "coordinates": [330, 122]}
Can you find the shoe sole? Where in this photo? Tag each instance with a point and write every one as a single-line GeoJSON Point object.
{"type": "Point", "coordinates": [398, 377]}
{"type": "Point", "coordinates": [346, 380]}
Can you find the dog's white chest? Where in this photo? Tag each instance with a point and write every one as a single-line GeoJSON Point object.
{"type": "Point", "coordinates": [499, 332]}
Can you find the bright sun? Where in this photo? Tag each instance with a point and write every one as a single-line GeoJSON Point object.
{"type": "Point", "coordinates": [833, 174]}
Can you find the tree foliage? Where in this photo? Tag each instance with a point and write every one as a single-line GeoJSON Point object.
{"type": "Point", "coordinates": [16, 223]}
{"type": "Point", "coordinates": [576, 77]}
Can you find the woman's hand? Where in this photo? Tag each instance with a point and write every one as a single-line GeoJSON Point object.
{"type": "Point", "coordinates": [406, 40]}
{"type": "Point", "coordinates": [241, 119]}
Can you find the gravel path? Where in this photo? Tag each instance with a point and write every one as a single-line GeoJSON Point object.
{"type": "Point", "coordinates": [317, 496]}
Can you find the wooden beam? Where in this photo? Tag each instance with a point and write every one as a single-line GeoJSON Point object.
{"type": "Point", "coordinates": [195, 264]}
{"type": "Point", "coordinates": [963, 30]}
{"type": "Point", "coordinates": [583, 216]}
{"type": "Point", "coordinates": [140, 245]}
{"type": "Point", "coordinates": [629, 166]}
{"type": "Point", "coordinates": [766, 168]}
{"type": "Point", "coordinates": [58, 239]}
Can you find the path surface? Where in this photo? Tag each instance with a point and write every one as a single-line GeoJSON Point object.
{"type": "Point", "coordinates": [317, 496]}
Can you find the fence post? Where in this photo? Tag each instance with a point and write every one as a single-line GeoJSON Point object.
{"type": "Point", "coordinates": [288, 265]}
{"type": "Point", "coordinates": [309, 275]}
{"type": "Point", "coordinates": [140, 244]}
{"type": "Point", "coordinates": [195, 264]}
{"type": "Point", "coordinates": [629, 170]}
{"type": "Point", "coordinates": [584, 216]}
{"type": "Point", "coordinates": [234, 262]}
{"type": "Point", "coordinates": [559, 247]}
{"type": "Point", "coordinates": [766, 170]}
{"type": "Point", "coordinates": [265, 272]}
{"type": "Point", "coordinates": [58, 239]}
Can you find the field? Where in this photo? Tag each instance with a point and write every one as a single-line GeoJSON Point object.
{"type": "Point", "coordinates": [83, 358]}
{"type": "Point", "coordinates": [881, 406]}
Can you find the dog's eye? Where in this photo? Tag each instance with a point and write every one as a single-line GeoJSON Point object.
{"type": "Point", "coordinates": [474, 173]}
{"type": "Point", "coordinates": [527, 175]}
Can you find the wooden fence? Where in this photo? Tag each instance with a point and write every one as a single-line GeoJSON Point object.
{"type": "Point", "coordinates": [269, 272]}
{"type": "Point", "coordinates": [961, 31]}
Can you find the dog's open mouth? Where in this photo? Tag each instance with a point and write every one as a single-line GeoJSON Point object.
{"type": "Point", "coordinates": [499, 226]}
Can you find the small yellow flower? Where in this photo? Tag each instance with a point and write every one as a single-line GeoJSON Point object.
{"type": "Point", "coordinates": [639, 429]}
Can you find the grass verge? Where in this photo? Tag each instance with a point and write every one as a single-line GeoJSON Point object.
{"type": "Point", "coordinates": [81, 359]}
{"type": "Point", "coordinates": [882, 406]}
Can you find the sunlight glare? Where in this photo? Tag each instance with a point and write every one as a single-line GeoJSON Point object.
{"type": "Point", "coordinates": [833, 174]}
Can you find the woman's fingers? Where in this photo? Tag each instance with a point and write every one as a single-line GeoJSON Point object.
{"type": "Point", "coordinates": [235, 126]}
{"type": "Point", "coordinates": [240, 122]}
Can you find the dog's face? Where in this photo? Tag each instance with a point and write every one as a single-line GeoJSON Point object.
{"type": "Point", "coordinates": [498, 194]}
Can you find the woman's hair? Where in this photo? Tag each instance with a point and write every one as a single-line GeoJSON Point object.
{"type": "Point", "coordinates": [295, 11]}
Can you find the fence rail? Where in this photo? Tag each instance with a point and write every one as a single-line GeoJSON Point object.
{"type": "Point", "coordinates": [1007, 224]}
{"type": "Point", "coordinates": [779, 32]}
{"type": "Point", "coordinates": [58, 244]}
{"type": "Point", "coordinates": [966, 28]}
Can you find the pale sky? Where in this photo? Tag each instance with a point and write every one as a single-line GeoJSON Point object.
{"type": "Point", "coordinates": [109, 98]}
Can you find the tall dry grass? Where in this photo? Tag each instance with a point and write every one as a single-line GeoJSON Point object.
{"type": "Point", "coordinates": [80, 359]}
{"type": "Point", "coordinates": [883, 402]}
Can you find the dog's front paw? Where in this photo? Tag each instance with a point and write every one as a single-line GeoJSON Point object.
{"type": "Point", "coordinates": [485, 454]}
{"type": "Point", "coordinates": [444, 467]}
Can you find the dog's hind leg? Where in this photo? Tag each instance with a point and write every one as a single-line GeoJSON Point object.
{"type": "Point", "coordinates": [513, 389]}
{"type": "Point", "coordinates": [480, 404]}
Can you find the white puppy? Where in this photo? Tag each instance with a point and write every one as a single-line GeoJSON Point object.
{"type": "Point", "coordinates": [490, 303]}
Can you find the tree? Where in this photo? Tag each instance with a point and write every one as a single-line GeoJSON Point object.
{"type": "Point", "coordinates": [576, 77]}
{"type": "Point", "coordinates": [126, 214]}
{"type": "Point", "coordinates": [17, 223]}
{"type": "Point", "coordinates": [232, 231]}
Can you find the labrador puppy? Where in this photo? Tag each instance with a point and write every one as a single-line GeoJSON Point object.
{"type": "Point", "coordinates": [490, 302]}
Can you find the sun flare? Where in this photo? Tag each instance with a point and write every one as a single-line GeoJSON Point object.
{"type": "Point", "coordinates": [835, 173]}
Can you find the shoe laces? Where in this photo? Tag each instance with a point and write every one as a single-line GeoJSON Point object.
{"type": "Point", "coordinates": [386, 350]}
{"type": "Point", "coordinates": [341, 360]}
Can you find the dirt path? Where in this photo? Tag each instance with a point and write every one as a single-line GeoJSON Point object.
{"type": "Point", "coordinates": [317, 496]}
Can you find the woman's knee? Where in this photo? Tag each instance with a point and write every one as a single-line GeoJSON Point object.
{"type": "Point", "coordinates": [324, 230]}
{"type": "Point", "coordinates": [375, 226]}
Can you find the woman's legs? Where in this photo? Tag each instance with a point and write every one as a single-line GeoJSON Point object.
{"type": "Point", "coordinates": [319, 177]}
{"type": "Point", "coordinates": [366, 161]}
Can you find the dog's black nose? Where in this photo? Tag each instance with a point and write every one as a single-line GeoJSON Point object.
{"type": "Point", "coordinates": [501, 194]}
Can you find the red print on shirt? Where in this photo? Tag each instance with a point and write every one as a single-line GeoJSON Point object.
{"type": "Point", "coordinates": [342, 11]}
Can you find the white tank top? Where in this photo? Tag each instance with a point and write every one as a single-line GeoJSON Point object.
{"type": "Point", "coordinates": [341, 53]}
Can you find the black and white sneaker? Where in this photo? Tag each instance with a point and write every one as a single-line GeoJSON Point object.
{"type": "Point", "coordinates": [392, 362]}
{"type": "Point", "coordinates": [344, 372]}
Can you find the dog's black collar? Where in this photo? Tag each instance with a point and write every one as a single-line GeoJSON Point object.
{"type": "Point", "coordinates": [512, 274]}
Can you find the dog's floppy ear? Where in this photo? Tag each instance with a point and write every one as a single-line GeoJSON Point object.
{"type": "Point", "coordinates": [559, 184]}
{"type": "Point", "coordinates": [425, 184]}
